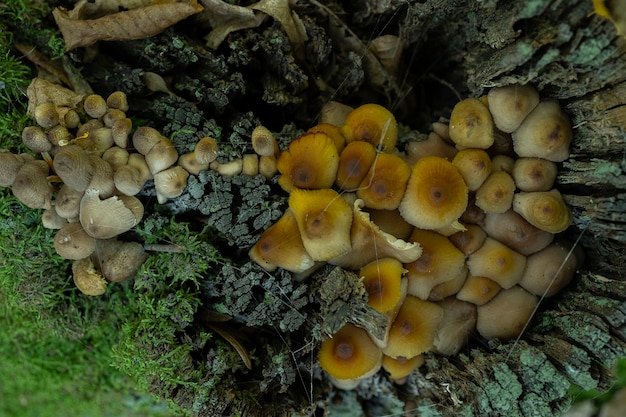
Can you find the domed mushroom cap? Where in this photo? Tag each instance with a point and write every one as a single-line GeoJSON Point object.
{"type": "Point", "coordinates": [509, 105]}
{"type": "Point", "coordinates": [162, 156]}
{"type": "Point", "coordinates": [350, 353]}
{"type": "Point", "coordinates": [10, 165]}
{"type": "Point", "coordinates": [470, 240]}
{"type": "Point", "coordinates": [471, 125]}
{"type": "Point", "coordinates": [46, 115]}
{"type": "Point", "coordinates": [399, 368]}
{"type": "Point", "coordinates": [474, 165]}
{"type": "Point", "coordinates": [331, 131]}
{"type": "Point", "coordinates": [72, 242]}
{"type": "Point", "coordinates": [119, 261]}
{"type": "Point", "coordinates": [145, 138]}
{"type": "Point", "coordinates": [31, 187]}
{"type": "Point", "coordinates": [311, 162]}
{"type": "Point", "coordinates": [545, 133]}
{"type": "Point", "coordinates": [414, 328]}
{"type": "Point", "coordinates": [440, 261]}
{"type": "Point", "coordinates": [354, 163]}
{"type": "Point", "coordinates": [383, 282]}
{"type": "Point", "coordinates": [263, 141]}
{"type": "Point", "coordinates": [206, 150]}
{"type": "Point", "coordinates": [51, 220]}
{"type": "Point", "coordinates": [384, 185]}
{"type": "Point", "coordinates": [371, 123]}
{"type": "Point", "coordinates": [118, 100]}
{"type": "Point", "coordinates": [436, 194]}
{"type": "Point", "coordinates": [120, 130]}
{"type": "Point", "coordinates": [497, 262]}
{"type": "Point", "coordinates": [104, 219]}
{"type": "Point", "coordinates": [324, 220]}
{"type": "Point", "coordinates": [478, 290]}
{"type": "Point", "coordinates": [281, 246]}
{"type": "Point", "coordinates": [511, 229]}
{"type": "Point", "coordinates": [495, 195]}
{"type": "Point", "coordinates": [67, 203]}
{"type": "Point", "coordinates": [434, 145]}
{"type": "Point", "coordinates": [551, 269]}
{"type": "Point", "coordinates": [459, 319]}
{"type": "Point", "coordinates": [545, 210]}
{"type": "Point", "coordinates": [35, 139]}
{"type": "Point", "coordinates": [87, 279]}
{"type": "Point", "coordinates": [170, 183]}
{"type": "Point", "coordinates": [102, 176]}
{"type": "Point", "coordinates": [534, 174]}
{"type": "Point", "coordinates": [73, 166]}
{"type": "Point", "coordinates": [506, 315]}
{"type": "Point", "coordinates": [95, 106]}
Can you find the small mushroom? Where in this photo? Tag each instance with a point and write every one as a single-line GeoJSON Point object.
{"type": "Point", "coordinates": [263, 141]}
{"type": "Point", "coordinates": [470, 240]}
{"type": "Point", "coordinates": [511, 229]}
{"type": "Point", "coordinates": [73, 166]}
{"type": "Point", "coordinates": [162, 156]}
{"type": "Point", "coordinates": [206, 150]}
{"type": "Point", "coordinates": [383, 282]}
{"type": "Point", "coordinates": [506, 315]}
{"type": "Point", "coordinates": [498, 262]}
{"type": "Point", "coordinates": [46, 115]}
{"type": "Point", "coordinates": [10, 165]}
{"type": "Point", "coordinates": [478, 290]}
{"type": "Point", "coordinates": [35, 139]}
{"type": "Point", "coordinates": [354, 163]}
{"type": "Point", "coordinates": [31, 187]}
{"type": "Point", "coordinates": [72, 242]}
{"type": "Point", "coordinates": [509, 105]}
{"type": "Point", "coordinates": [95, 106]}
{"type": "Point", "coordinates": [545, 210]}
{"type": "Point", "coordinates": [434, 145]}
{"type": "Point", "coordinates": [331, 131]}
{"type": "Point", "coordinates": [474, 165]}
{"type": "Point", "coordinates": [250, 164]}
{"type": "Point", "coordinates": [189, 162]}
{"type": "Point", "coordinates": [118, 100]}
{"type": "Point", "coordinates": [371, 123]}
{"type": "Point", "coordinates": [104, 219]}
{"type": "Point", "coordinates": [67, 202]}
{"type": "Point", "coordinates": [534, 174]}
{"type": "Point", "coordinates": [384, 185]}
{"type": "Point", "coordinates": [398, 369]}
{"type": "Point", "coordinates": [120, 130]}
{"type": "Point", "coordinates": [51, 220]}
{"type": "Point", "coordinates": [145, 138]}
{"type": "Point", "coordinates": [495, 195]}
{"type": "Point", "coordinates": [87, 279]}
{"type": "Point", "coordinates": [459, 319]}
{"type": "Point", "coordinates": [119, 261]}
{"type": "Point", "coordinates": [471, 125]}
{"type": "Point", "coordinates": [170, 183]}
{"type": "Point", "coordinates": [267, 166]}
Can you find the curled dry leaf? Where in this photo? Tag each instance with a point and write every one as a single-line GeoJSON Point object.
{"type": "Point", "coordinates": [225, 18]}
{"type": "Point", "coordinates": [138, 23]}
{"type": "Point", "coordinates": [279, 10]}
{"type": "Point", "coordinates": [43, 91]}
{"type": "Point", "coordinates": [91, 9]}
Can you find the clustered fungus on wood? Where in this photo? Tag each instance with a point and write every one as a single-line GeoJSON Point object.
{"type": "Point", "coordinates": [456, 234]}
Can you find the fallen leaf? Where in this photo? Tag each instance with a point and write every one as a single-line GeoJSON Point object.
{"type": "Point", "coordinates": [225, 18]}
{"type": "Point", "coordinates": [42, 91]}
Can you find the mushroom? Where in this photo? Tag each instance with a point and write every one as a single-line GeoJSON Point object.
{"type": "Point", "coordinates": [206, 150]}
{"type": "Point", "coordinates": [10, 165]}
{"type": "Point", "coordinates": [324, 220]}
{"type": "Point", "coordinates": [51, 220]}
{"type": "Point", "coordinates": [459, 319]}
{"type": "Point", "coordinates": [113, 115]}
{"type": "Point", "coordinates": [334, 113]}
{"type": "Point", "coordinates": [120, 130]}
{"type": "Point", "coordinates": [349, 355]}
{"type": "Point", "coordinates": [440, 261]}
{"type": "Point", "coordinates": [46, 115]}
{"type": "Point", "coordinates": [382, 279]}
{"type": "Point", "coordinates": [371, 123]}
{"type": "Point", "coordinates": [551, 269]}
{"type": "Point", "coordinates": [102, 176]}
{"type": "Point", "coordinates": [436, 194]}
{"type": "Point", "coordinates": [267, 166]}
{"type": "Point", "coordinates": [511, 229]}
{"type": "Point", "coordinates": [471, 125]}
{"type": "Point", "coordinates": [470, 240]}
{"type": "Point", "coordinates": [495, 195]}
{"type": "Point", "coordinates": [498, 262]}
{"type": "Point", "coordinates": [448, 288]}
{"type": "Point", "coordinates": [545, 210]}
{"type": "Point", "coordinates": [398, 369]}
{"type": "Point", "coordinates": [509, 105]}
{"type": "Point", "coordinates": [250, 164]}
{"type": "Point", "coordinates": [95, 106]}
{"type": "Point", "coordinates": [263, 141]}
{"type": "Point", "coordinates": [189, 162]}
{"type": "Point", "coordinates": [545, 133]}
{"type": "Point", "coordinates": [434, 145]}
{"type": "Point", "coordinates": [162, 156]}
{"type": "Point", "coordinates": [73, 166]}
{"type": "Point", "coordinates": [354, 163]}
{"type": "Point", "coordinates": [104, 219]}
{"type": "Point", "coordinates": [170, 183]}
{"type": "Point", "coordinates": [311, 162]}
{"type": "Point", "coordinates": [534, 174]}
{"type": "Point", "coordinates": [478, 290]}
{"type": "Point", "coordinates": [119, 261]}
{"type": "Point", "coordinates": [228, 169]}
{"type": "Point", "coordinates": [502, 163]}
{"type": "Point", "coordinates": [87, 279]}
{"type": "Point", "coordinates": [506, 315]}
{"type": "Point", "coordinates": [67, 202]}
{"type": "Point", "coordinates": [72, 242]}
{"type": "Point", "coordinates": [474, 165]}
{"type": "Point", "coordinates": [117, 100]}
{"type": "Point", "coordinates": [414, 328]}
{"type": "Point", "coordinates": [332, 131]}
{"type": "Point", "coordinates": [281, 246]}
{"type": "Point", "coordinates": [384, 185]}
{"type": "Point", "coordinates": [129, 179]}
{"type": "Point", "coordinates": [35, 139]}
{"type": "Point", "coordinates": [31, 187]}
{"type": "Point", "coordinates": [116, 157]}
{"type": "Point", "coordinates": [145, 138]}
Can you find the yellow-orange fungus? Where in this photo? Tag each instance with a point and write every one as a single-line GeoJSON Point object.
{"type": "Point", "coordinates": [436, 194]}
{"type": "Point", "coordinates": [332, 131]}
{"type": "Point", "coordinates": [324, 220]}
{"type": "Point", "coordinates": [414, 328]}
{"type": "Point", "coordinates": [354, 163]}
{"type": "Point", "coordinates": [310, 162]}
{"type": "Point", "coordinates": [382, 280]}
{"type": "Point", "coordinates": [350, 353]}
{"type": "Point", "coordinates": [385, 183]}
{"type": "Point", "coordinates": [371, 123]}
{"type": "Point", "coordinates": [471, 125]}
{"type": "Point", "coordinates": [497, 262]}
{"type": "Point", "coordinates": [281, 246]}
{"type": "Point", "coordinates": [401, 367]}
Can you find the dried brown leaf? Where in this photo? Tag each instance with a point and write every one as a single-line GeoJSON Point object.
{"type": "Point", "coordinates": [91, 9]}
{"type": "Point", "coordinates": [279, 10]}
{"type": "Point", "coordinates": [243, 353]}
{"type": "Point", "coordinates": [225, 18]}
{"type": "Point", "coordinates": [43, 91]}
{"type": "Point", "coordinates": [138, 23]}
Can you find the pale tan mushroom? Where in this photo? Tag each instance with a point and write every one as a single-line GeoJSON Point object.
{"type": "Point", "coordinates": [104, 219]}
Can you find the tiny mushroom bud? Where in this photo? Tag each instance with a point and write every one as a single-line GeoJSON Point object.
{"type": "Point", "coordinates": [116, 157]}
{"type": "Point", "coordinates": [102, 176]}
{"type": "Point", "coordinates": [470, 240]}
{"type": "Point", "coordinates": [471, 125]}
{"type": "Point", "coordinates": [534, 174]}
{"type": "Point", "coordinates": [545, 133]}
{"type": "Point", "coordinates": [51, 220]}
{"type": "Point", "coordinates": [206, 150]}
{"type": "Point", "coordinates": [112, 116]}
{"type": "Point", "coordinates": [371, 123]}
{"type": "Point", "coordinates": [509, 105]}
{"type": "Point", "coordinates": [263, 141]}
{"type": "Point", "coordinates": [46, 115]}
{"type": "Point", "coordinates": [267, 166]}
{"type": "Point", "coordinates": [170, 183]}
{"type": "Point", "coordinates": [545, 210]}
{"type": "Point", "coordinates": [496, 261]}
{"type": "Point", "coordinates": [506, 315]}
{"type": "Point", "coordinates": [59, 135]}
{"type": "Point", "coordinates": [95, 106]}
{"type": "Point", "coordinates": [495, 195]}
{"type": "Point", "coordinates": [119, 261]}
{"type": "Point", "coordinates": [72, 242]}
{"type": "Point", "coordinates": [384, 185]}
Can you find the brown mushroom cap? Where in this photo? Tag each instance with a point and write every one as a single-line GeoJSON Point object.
{"type": "Point", "coordinates": [474, 165]}
{"type": "Point", "coordinates": [162, 156]}
{"type": "Point", "coordinates": [119, 261]}
{"type": "Point", "coordinates": [332, 131]}
{"type": "Point", "coordinates": [545, 210]}
{"type": "Point", "coordinates": [470, 240]}
{"type": "Point", "coordinates": [459, 319]}
{"type": "Point", "coordinates": [384, 185]}
{"type": "Point", "coordinates": [104, 219]}
{"type": "Point", "coordinates": [51, 220]}
{"type": "Point", "coordinates": [72, 242]}
{"type": "Point", "coordinates": [545, 133]}
{"type": "Point", "coordinates": [506, 315]}
{"type": "Point", "coordinates": [95, 106]}
{"type": "Point", "coordinates": [35, 139]}
{"type": "Point", "coordinates": [495, 195]}
{"type": "Point", "coordinates": [354, 163]}
{"type": "Point", "coordinates": [371, 123]}
{"type": "Point", "coordinates": [116, 157]}
{"type": "Point", "coordinates": [436, 194]}
{"type": "Point", "coordinates": [87, 279]}
{"type": "Point", "coordinates": [206, 150]}
{"type": "Point", "coordinates": [511, 229]}
{"type": "Point", "coordinates": [170, 183]}
{"type": "Point", "coordinates": [67, 202]}
{"type": "Point", "coordinates": [31, 187]}
{"type": "Point", "coordinates": [118, 100]}
{"type": "Point", "coordinates": [10, 165]}
{"type": "Point", "coordinates": [471, 125]}
{"type": "Point", "coordinates": [263, 141]}
{"type": "Point", "coordinates": [498, 262]}
{"type": "Point", "coordinates": [534, 174]}
{"type": "Point", "coordinates": [145, 138]}
{"type": "Point", "coordinates": [120, 130]}
{"type": "Point", "coordinates": [510, 104]}
{"type": "Point", "coordinates": [46, 115]}
{"type": "Point", "coordinates": [73, 166]}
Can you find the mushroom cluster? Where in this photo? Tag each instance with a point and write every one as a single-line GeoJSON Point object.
{"type": "Point", "coordinates": [455, 234]}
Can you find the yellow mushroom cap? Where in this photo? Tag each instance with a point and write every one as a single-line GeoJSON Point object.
{"type": "Point", "coordinates": [371, 123]}
{"type": "Point", "coordinates": [95, 106]}
{"type": "Point", "coordinates": [495, 195]}
{"type": "Point", "coordinates": [534, 174]}
{"type": "Point", "coordinates": [478, 290]}
{"type": "Point", "coordinates": [107, 218]}
{"type": "Point", "coordinates": [459, 319]}
{"type": "Point", "coordinates": [87, 279]}
{"type": "Point", "coordinates": [384, 185]}
{"type": "Point", "coordinates": [471, 125]}
{"type": "Point", "coordinates": [506, 315]}
{"type": "Point", "coordinates": [545, 133]}
{"type": "Point", "coordinates": [332, 131]}
{"type": "Point", "coordinates": [474, 165]}
{"type": "Point", "coordinates": [401, 367]}
{"type": "Point", "coordinates": [414, 328]}
{"type": "Point", "coordinates": [510, 104]}
{"type": "Point", "coordinates": [354, 163]}
{"type": "Point", "coordinates": [545, 210]}
{"type": "Point", "coordinates": [440, 261]}
{"type": "Point", "coordinates": [350, 353]}
{"type": "Point", "coordinates": [498, 262]}
{"type": "Point", "coordinates": [281, 246]}
{"type": "Point", "coordinates": [324, 220]}
{"type": "Point", "coordinates": [382, 279]}
{"type": "Point", "coordinates": [436, 194]}
{"type": "Point", "coordinates": [311, 162]}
